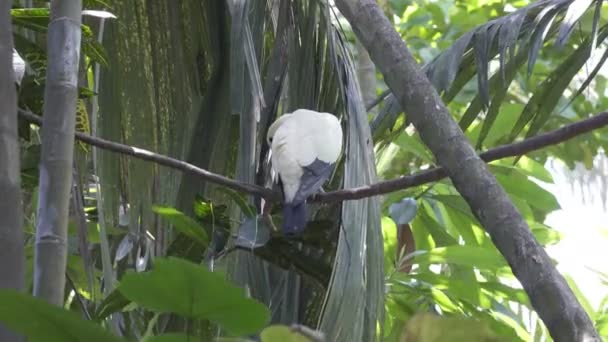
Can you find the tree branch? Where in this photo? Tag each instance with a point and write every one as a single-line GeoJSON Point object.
{"type": "Point", "coordinates": [547, 289]}
{"type": "Point", "coordinates": [161, 160]}
{"type": "Point", "coordinates": [510, 150]}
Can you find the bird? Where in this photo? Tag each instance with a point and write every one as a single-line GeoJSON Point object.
{"type": "Point", "coordinates": [18, 67]}
{"type": "Point", "coordinates": [305, 146]}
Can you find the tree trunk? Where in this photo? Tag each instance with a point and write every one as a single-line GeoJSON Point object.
{"type": "Point", "coordinates": [12, 260]}
{"type": "Point", "coordinates": [56, 159]}
{"type": "Point", "coordinates": [548, 291]}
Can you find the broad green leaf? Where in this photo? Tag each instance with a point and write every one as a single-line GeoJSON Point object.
{"type": "Point", "coordinates": [43, 322]}
{"type": "Point", "coordinates": [455, 202]}
{"type": "Point", "coordinates": [114, 302]}
{"type": "Point", "coordinates": [496, 289]}
{"type": "Point", "coordinates": [179, 286]}
{"type": "Point", "coordinates": [479, 257]}
{"type": "Point", "coordinates": [580, 295]}
{"type": "Point", "coordinates": [422, 236]}
{"type": "Point", "coordinates": [209, 214]}
{"type": "Point", "coordinates": [389, 236]}
{"type": "Point", "coordinates": [413, 145]}
{"type": "Point", "coordinates": [516, 328]}
{"type": "Point", "coordinates": [456, 288]}
{"type": "Point", "coordinates": [520, 186]}
{"type": "Point", "coordinates": [430, 328]}
{"type": "Point", "coordinates": [437, 231]}
{"type": "Point", "coordinates": [172, 337]}
{"type": "Point", "coordinates": [461, 224]}
{"type": "Point", "coordinates": [183, 223]}
{"type": "Point", "coordinates": [503, 124]}
{"type": "Point", "coordinates": [544, 234]}
{"type": "Point", "coordinates": [177, 337]}
{"type": "Point", "coordinates": [282, 333]}
{"type": "Point", "coordinates": [445, 303]}
{"type": "Point", "coordinates": [525, 165]}
{"type": "Point", "coordinates": [36, 19]}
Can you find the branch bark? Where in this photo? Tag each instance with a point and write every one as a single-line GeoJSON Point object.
{"type": "Point", "coordinates": [60, 95]}
{"type": "Point", "coordinates": [548, 291]}
{"type": "Point", "coordinates": [510, 150]}
{"type": "Point", "coordinates": [12, 258]}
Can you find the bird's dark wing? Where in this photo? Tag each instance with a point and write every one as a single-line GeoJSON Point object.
{"type": "Point", "coordinates": [312, 179]}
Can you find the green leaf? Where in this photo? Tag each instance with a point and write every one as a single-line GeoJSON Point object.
{"type": "Point", "coordinates": [437, 231]}
{"type": "Point", "coordinates": [455, 287]}
{"type": "Point", "coordinates": [173, 337]}
{"type": "Point", "coordinates": [525, 165]}
{"type": "Point", "coordinates": [40, 321]}
{"type": "Point", "coordinates": [429, 327]}
{"type": "Point", "coordinates": [479, 257]}
{"type": "Point", "coordinates": [183, 223]}
{"type": "Point", "coordinates": [413, 145]}
{"type": "Point", "coordinates": [248, 210]}
{"type": "Point", "coordinates": [520, 186]}
{"type": "Point", "coordinates": [506, 292]}
{"type": "Point", "coordinates": [36, 19]}
{"type": "Point", "coordinates": [95, 51]}
{"type": "Point", "coordinates": [179, 286]}
{"type": "Point", "coordinates": [282, 333]}
{"type": "Point", "coordinates": [579, 295]}
{"type": "Point", "coordinates": [455, 202]}
{"type": "Point", "coordinates": [544, 234]}
{"type": "Point", "coordinates": [114, 302]}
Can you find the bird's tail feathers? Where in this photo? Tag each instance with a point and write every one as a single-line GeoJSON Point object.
{"type": "Point", "coordinates": [294, 218]}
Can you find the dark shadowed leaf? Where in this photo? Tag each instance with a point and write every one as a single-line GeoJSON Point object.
{"type": "Point", "coordinates": [543, 24]}
{"type": "Point", "coordinates": [179, 286]}
{"type": "Point", "coordinates": [248, 210]}
{"type": "Point", "coordinates": [114, 302]}
{"type": "Point", "coordinates": [575, 11]}
{"type": "Point", "coordinates": [443, 70]}
{"type": "Point", "coordinates": [42, 322]}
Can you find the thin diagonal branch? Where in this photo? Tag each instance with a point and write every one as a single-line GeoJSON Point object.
{"type": "Point", "coordinates": [510, 150]}
{"type": "Point", "coordinates": [161, 160]}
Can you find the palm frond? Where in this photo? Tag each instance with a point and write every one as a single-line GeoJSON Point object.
{"type": "Point", "coordinates": [528, 28]}
{"type": "Point", "coordinates": [353, 308]}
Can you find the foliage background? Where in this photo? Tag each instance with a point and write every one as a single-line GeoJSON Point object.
{"type": "Point", "coordinates": [165, 86]}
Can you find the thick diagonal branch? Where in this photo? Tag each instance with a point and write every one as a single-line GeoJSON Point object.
{"type": "Point", "coordinates": [548, 291]}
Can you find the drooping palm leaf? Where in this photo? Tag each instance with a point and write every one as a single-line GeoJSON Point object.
{"type": "Point", "coordinates": [353, 308]}
{"type": "Point", "coordinates": [527, 28]}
